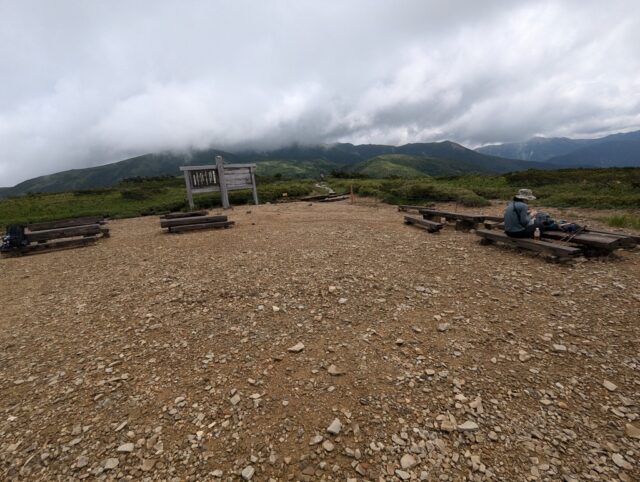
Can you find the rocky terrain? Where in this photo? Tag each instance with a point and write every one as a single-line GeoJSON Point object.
{"type": "Point", "coordinates": [317, 342]}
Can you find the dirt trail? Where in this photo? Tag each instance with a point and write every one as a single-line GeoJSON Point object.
{"type": "Point", "coordinates": [166, 357]}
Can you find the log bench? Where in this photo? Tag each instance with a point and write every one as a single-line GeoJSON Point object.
{"type": "Point", "coordinates": [594, 243]}
{"type": "Point", "coordinates": [181, 224]}
{"type": "Point", "coordinates": [464, 222]}
{"type": "Point", "coordinates": [430, 226]}
{"type": "Point", "coordinates": [409, 207]}
{"type": "Point", "coordinates": [558, 251]}
{"type": "Point", "coordinates": [189, 214]}
{"type": "Point", "coordinates": [61, 234]}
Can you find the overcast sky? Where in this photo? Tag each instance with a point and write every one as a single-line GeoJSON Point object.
{"type": "Point", "coordinates": [89, 82]}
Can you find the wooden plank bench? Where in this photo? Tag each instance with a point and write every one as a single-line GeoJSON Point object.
{"type": "Point", "coordinates": [189, 214]}
{"type": "Point", "coordinates": [464, 222]}
{"type": "Point", "coordinates": [630, 240]}
{"type": "Point", "coordinates": [66, 223]}
{"type": "Point", "coordinates": [430, 226]}
{"type": "Point", "coordinates": [68, 232]}
{"type": "Point", "coordinates": [597, 243]}
{"type": "Point", "coordinates": [558, 251]}
{"type": "Point", "coordinates": [409, 207]}
{"type": "Point", "coordinates": [178, 225]}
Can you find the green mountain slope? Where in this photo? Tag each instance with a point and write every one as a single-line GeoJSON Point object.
{"type": "Point", "coordinates": [402, 165]}
{"type": "Point", "coordinates": [294, 161]}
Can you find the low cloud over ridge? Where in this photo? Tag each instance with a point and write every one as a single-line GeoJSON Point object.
{"type": "Point", "coordinates": [91, 82]}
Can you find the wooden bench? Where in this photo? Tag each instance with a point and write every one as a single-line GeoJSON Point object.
{"type": "Point", "coordinates": [189, 214]}
{"type": "Point", "coordinates": [464, 222]}
{"type": "Point", "coordinates": [180, 224]}
{"type": "Point", "coordinates": [595, 243]}
{"type": "Point", "coordinates": [62, 234]}
{"type": "Point", "coordinates": [409, 207]}
{"type": "Point", "coordinates": [558, 251]}
{"type": "Point", "coordinates": [430, 226]}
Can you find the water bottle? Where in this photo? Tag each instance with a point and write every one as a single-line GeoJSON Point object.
{"type": "Point", "coordinates": [536, 234]}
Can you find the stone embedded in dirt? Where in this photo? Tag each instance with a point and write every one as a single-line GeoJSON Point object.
{"type": "Point", "coordinates": [621, 462]}
{"type": "Point", "coordinates": [407, 461]}
{"type": "Point", "coordinates": [632, 431]}
{"type": "Point", "coordinates": [275, 308]}
{"type": "Point", "coordinates": [297, 348]}
{"type": "Point", "coordinates": [335, 427]}
{"type": "Point", "coordinates": [332, 289]}
{"type": "Point", "coordinates": [127, 448]}
{"type": "Point", "coordinates": [443, 326]}
{"type": "Point", "coordinates": [335, 371]}
{"type": "Point", "coordinates": [147, 465]}
{"type": "Point", "coordinates": [316, 439]}
{"type": "Point", "coordinates": [447, 426]}
{"type": "Point", "coordinates": [609, 386]}
{"type": "Point", "coordinates": [523, 356]}
{"type": "Point", "coordinates": [111, 463]}
{"type": "Point", "coordinates": [342, 301]}
{"type": "Point", "coordinates": [235, 399]}
{"type": "Point", "coordinates": [82, 461]}
{"type": "Point", "coordinates": [402, 475]}
{"type": "Point", "coordinates": [468, 426]}
{"type": "Point", "coordinates": [559, 348]}
{"type": "Point", "coordinates": [247, 472]}
{"type": "Point", "coordinates": [328, 446]}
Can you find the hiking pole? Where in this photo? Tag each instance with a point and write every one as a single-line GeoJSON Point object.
{"type": "Point", "coordinates": [573, 235]}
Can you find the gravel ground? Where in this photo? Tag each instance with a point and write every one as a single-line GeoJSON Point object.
{"type": "Point", "coordinates": [317, 342]}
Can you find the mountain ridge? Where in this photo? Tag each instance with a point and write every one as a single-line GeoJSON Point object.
{"type": "Point", "coordinates": [291, 161]}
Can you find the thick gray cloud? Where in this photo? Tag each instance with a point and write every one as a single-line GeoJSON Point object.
{"type": "Point", "coordinates": [89, 82]}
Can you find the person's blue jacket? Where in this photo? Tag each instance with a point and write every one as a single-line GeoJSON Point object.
{"type": "Point", "coordinates": [516, 217]}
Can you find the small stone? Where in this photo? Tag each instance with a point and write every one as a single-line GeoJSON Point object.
{"type": "Point", "coordinates": [609, 386]}
{"type": "Point", "coordinates": [127, 448]}
{"type": "Point", "coordinates": [235, 399]}
{"type": "Point", "coordinates": [523, 356]}
{"type": "Point", "coordinates": [407, 461]}
{"type": "Point", "coordinates": [342, 301]}
{"type": "Point", "coordinates": [403, 475]}
{"type": "Point", "coordinates": [621, 462]}
{"type": "Point", "coordinates": [297, 348]}
{"type": "Point", "coordinates": [332, 289]}
{"type": "Point", "coordinates": [315, 440]}
{"type": "Point", "coordinates": [335, 427]}
{"type": "Point", "coordinates": [147, 465]}
{"type": "Point", "coordinates": [275, 308]}
{"type": "Point", "coordinates": [247, 472]}
{"type": "Point", "coordinates": [632, 431]}
{"type": "Point", "coordinates": [559, 348]}
{"type": "Point", "coordinates": [335, 371]}
{"type": "Point", "coordinates": [468, 426]}
{"type": "Point", "coordinates": [217, 473]}
{"type": "Point", "coordinates": [443, 327]}
{"type": "Point", "coordinates": [110, 464]}
{"type": "Point", "coordinates": [328, 446]}
{"type": "Point", "coordinates": [82, 461]}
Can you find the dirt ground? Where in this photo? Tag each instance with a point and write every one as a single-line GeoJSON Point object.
{"type": "Point", "coordinates": [151, 356]}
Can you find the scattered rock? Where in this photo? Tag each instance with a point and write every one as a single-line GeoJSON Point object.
{"type": "Point", "coordinates": [443, 326]}
{"type": "Point", "coordinates": [247, 472]}
{"type": "Point", "coordinates": [559, 348]}
{"type": "Point", "coordinates": [328, 446]}
{"type": "Point", "coordinates": [335, 427]}
{"type": "Point", "coordinates": [632, 431]}
{"type": "Point", "coordinates": [82, 461]}
{"type": "Point", "coordinates": [147, 465]}
{"type": "Point", "coordinates": [609, 386]}
{"type": "Point", "coordinates": [111, 463]}
{"type": "Point", "coordinates": [468, 426]}
{"type": "Point", "coordinates": [407, 461]}
{"type": "Point", "coordinates": [126, 448]}
{"type": "Point", "coordinates": [316, 439]}
{"type": "Point", "coordinates": [297, 348]}
{"type": "Point", "coordinates": [334, 371]}
{"type": "Point", "coordinates": [621, 462]}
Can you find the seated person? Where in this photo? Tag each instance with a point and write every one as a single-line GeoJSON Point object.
{"type": "Point", "coordinates": [519, 222]}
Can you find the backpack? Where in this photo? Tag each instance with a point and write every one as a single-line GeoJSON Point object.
{"type": "Point", "coordinates": [14, 237]}
{"type": "Point", "coordinates": [546, 221]}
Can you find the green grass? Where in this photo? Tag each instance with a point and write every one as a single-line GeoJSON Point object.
{"type": "Point", "coordinates": [617, 188]}
{"type": "Point", "coordinates": [623, 221]}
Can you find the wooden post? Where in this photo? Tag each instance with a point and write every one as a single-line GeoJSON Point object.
{"type": "Point", "coordinates": [224, 194]}
{"type": "Point", "coordinates": [253, 184]}
{"type": "Point", "coordinates": [187, 180]}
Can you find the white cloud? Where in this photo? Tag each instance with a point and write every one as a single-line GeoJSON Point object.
{"type": "Point", "coordinates": [86, 83]}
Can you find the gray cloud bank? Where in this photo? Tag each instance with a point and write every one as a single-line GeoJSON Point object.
{"type": "Point", "coordinates": [89, 82]}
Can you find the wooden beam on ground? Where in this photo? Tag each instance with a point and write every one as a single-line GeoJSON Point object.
{"type": "Point", "coordinates": [634, 237]}
{"type": "Point", "coordinates": [559, 250]}
{"type": "Point", "coordinates": [594, 240]}
{"type": "Point", "coordinates": [430, 226]}
{"type": "Point", "coordinates": [170, 223]}
{"type": "Point", "coordinates": [57, 245]}
{"type": "Point", "coordinates": [65, 223]}
{"type": "Point", "coordinates": [408, 207]}
{"type": "Point", "coordinates": [46, 235]}
{"type": "Point", "coordinates": [192, 227]}
{"type": "Point", "coordinates": [189, 214]}
{"type": "Point", "coordinates": [334, 198]}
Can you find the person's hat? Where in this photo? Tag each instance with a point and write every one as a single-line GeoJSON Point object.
{"type": "Point", "coordinates": [525, 194]}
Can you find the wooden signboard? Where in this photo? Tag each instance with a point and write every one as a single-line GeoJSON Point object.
{"type": "Point", "coordinates": [220, 178]}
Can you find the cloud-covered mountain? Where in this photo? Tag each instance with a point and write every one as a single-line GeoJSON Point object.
{"type": "Point", "coordinates": [620, 150]}
{"type": "Point", "coordinates": [438, 158]}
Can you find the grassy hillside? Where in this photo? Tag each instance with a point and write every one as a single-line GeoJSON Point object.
{"type": "Point", "coordinates": [293, 162]}
{"type": "Point", "coordinates": [402, 165]}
